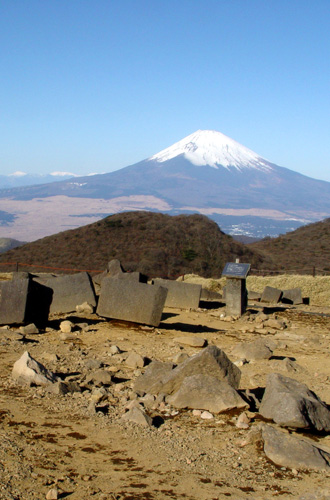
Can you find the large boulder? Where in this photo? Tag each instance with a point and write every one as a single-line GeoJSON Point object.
{"type": "Point", "coordinates": [202, 392]}
{"type": "Point", "coordinates": [210, 361]}
{"type": "Point", "coordinates": [290, 451]}
{"type": "Point", "coordinates": [29, 371]}
{"type": "Point", "coordinates": [291, 404]}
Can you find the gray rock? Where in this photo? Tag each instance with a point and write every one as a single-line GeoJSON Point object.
{"type": "Point", "coordinates": [181, 295]}
{"type": "Point", "coordinates": [210, 361]}
{"type": "Point", "coordinates": [135, 360]}
{"type": "Point", "coordinates": [85, 308]}
{"type": "Point", "coordinates": [68, 291]}
{"type": "Point", "coordinates": [30, 372]}
{"type": "Point", "coordinates": [131, 301]}
{"type": "Point", "coordinates": [271, 294]}
{"type": "Point", "coordinates": [290, 451]}
{"type": "Point", "coordinates": [202, 392]}
{"type": "Point", "coordinates": [257, 349]}
{"type": "Point", "coordinates": [154, 373]}
{"type": "Point", "coordinates": [22, 301]}
{"type": "Point", "coordinates": [93, 364]}
{"type": "Point", "coordinates": [30, 329]}
{"type": "Point", "coordinates": [191, 341]}
{"type": "Point", "coordinates": [180, 357]}
{"type": "Point", "coordinates": [292, 296]}
{"type": "Point", "coordinates": [138, 416]}
{"type": "Point", "coordinates": [99, 378]}
{"type": "Point", "coordinates": [291, 404]}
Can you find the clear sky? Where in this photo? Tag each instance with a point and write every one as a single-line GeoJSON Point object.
{"type": "Point", "coordinates": [96, 85]}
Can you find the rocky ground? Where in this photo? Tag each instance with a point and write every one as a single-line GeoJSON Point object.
{"type": "Point", "coordinates": [77, 445]}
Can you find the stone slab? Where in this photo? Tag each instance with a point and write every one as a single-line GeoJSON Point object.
{"type": "Point", "coordinates": [69, 291]}
{"type": "Point", "coordinates": [131, 301]}
{"type": "Point", "coordinates": [181, 295]}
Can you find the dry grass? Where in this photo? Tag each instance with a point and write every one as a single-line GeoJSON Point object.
{"type": "Point", "coordinates": [317, 289]}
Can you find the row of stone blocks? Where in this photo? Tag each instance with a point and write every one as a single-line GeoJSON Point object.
{"type": "Point", "coordinates": [28, 299]}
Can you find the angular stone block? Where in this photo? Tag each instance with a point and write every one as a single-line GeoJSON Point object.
{"type": "Point", "coordinates": [23, 301]}
{"type": "Point", "coordinates": [292, 296]}
{"type": "Point", "coordinates": [293, 452]}
{"type": "Point", "coordinates": [131, 301]}
{"type": "Point", "coordinates": [291, 404]}
{"type": "Point", "coordinates": [270, 294]}
{"type": "Point", "coordinates": [203, 392]}
{"type": "Point", "coordinates": [180, 294]}
{"type": "Point", "coordinates": [69, 291]}
{"type": "Point", "coordinates": [211, 361]}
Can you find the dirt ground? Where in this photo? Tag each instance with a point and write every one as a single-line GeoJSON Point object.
{"type": "Point", "coordinates": [89, 452]}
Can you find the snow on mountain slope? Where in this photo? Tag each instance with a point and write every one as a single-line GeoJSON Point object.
{"type": "Point", "coordinates": [212, 148]}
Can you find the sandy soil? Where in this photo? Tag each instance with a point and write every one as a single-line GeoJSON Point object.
{"type": "Point", "coordinates": [50, 440]}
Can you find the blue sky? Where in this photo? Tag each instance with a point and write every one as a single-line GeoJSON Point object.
{"type": "Point", "coordinates": [93, 86]}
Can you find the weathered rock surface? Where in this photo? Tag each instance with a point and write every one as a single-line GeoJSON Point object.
{"type": "Point", "coordinates": [292, 296]}
{"type": "Point", "coordinates": [210, 361]}
{"type": "Point", "coordinates": [290, 451]}
{"type": "Point", "coordinates": [138, 416]}
{"type": "Point", "coordinates": [203, 392]}
{"type": "Point", "coordinates": [271, 294]}
{"type": "Point", "coordinates": [259, 349]}
{"type": "Point", "coordinates": [131, 301]}
{"type": "Point", "coordinates": [191, 341]}
{"type": "Point", "coordinates": [68, 291]}
{"type": "Point", "coordinates": [155, 372]}
{"type": "Point", "coordinates": [180, 294]}
{"type": "Point", "coordinates": [291, 404]}
{"type": "Point", "coordinates": [135, 360]}
{"type": "Point", "coordinates": [29, 371]}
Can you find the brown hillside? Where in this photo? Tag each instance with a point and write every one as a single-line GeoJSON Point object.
{"type": "Point", "coordinates": [300, 250]}
{"type": "Point", "coordinates": [152, 243]}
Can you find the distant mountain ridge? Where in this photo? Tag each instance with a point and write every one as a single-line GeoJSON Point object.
{"type": "Point", "coordinates": [207, 173]}
{"type": "Point", "coordinates": [153, 243]}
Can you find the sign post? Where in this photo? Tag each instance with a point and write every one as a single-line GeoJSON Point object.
{"type": "Point", "coordinates": [236, 293]}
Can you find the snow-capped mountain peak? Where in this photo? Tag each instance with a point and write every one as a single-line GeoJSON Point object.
{"type": "Point", "coordinates": [212, 148]}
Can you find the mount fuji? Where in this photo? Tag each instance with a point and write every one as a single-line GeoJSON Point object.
{"type": "Point", "coordinates": [206, 172]}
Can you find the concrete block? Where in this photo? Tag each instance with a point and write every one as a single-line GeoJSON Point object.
{"type": "Point", "coordinates": [69, 291]}
{"type": "Point", "coordinates": [131, 301]}
{"type": "Point", "coordinates": [236, 296]}
{"type": "Point", "coordinates": [180, 294]}
{"type": "Point", "coordinates": [292, 296]}
{"type": "Point", "coordinates": [271, 294]}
